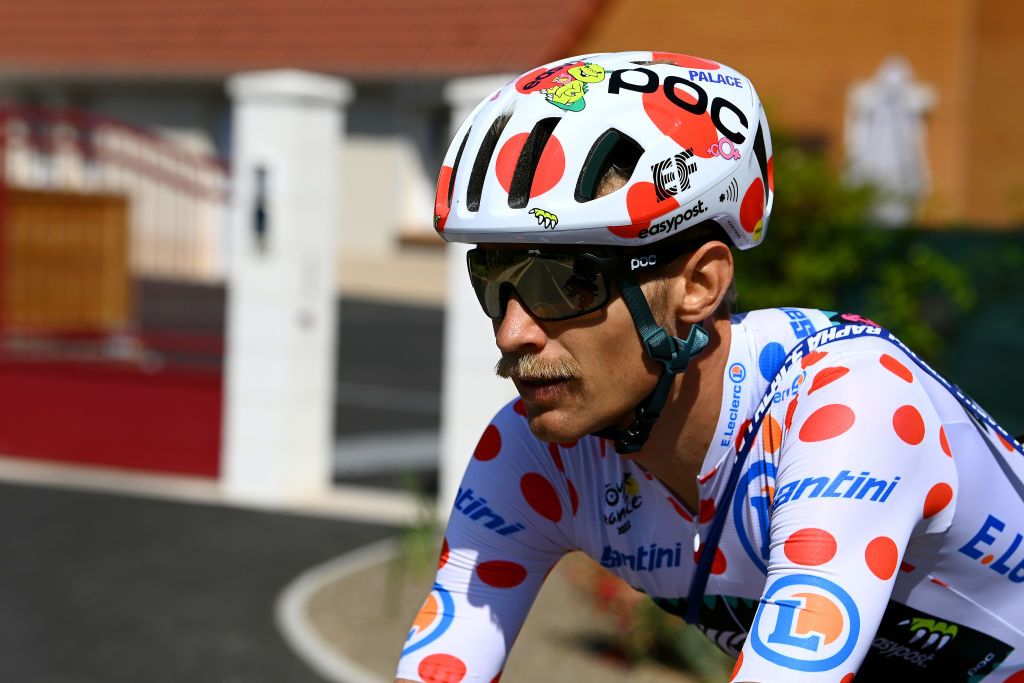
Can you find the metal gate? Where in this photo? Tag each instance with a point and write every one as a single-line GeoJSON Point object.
{"type": "Point", "coordinates": [112, 267]}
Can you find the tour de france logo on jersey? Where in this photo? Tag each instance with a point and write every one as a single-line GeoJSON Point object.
{"type": "Point", "coordinates": [805, 623]}
{"type": "Point", "coordinates": [621, 499]}
{"type": "Point", "coordinates": [433, 619]}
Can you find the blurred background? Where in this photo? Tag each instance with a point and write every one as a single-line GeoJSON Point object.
{"type": "Point", "coordinates": [219, 281]}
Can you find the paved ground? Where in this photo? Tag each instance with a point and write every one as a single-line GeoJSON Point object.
{"type": "Point", "coordinates": [110, 589]}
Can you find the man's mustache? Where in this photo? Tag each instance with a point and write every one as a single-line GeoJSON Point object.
{"type": "Point", "coordinates": [531, 367]}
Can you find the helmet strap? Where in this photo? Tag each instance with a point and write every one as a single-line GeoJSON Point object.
{"type": "Point", "coordinates": [672, 353]}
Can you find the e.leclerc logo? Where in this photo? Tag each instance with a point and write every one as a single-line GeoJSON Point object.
{"type": "Point", "coordinates": [434, 618]}
{"type": "Point", "coordinates": [737, 373]}
{"type": "Point", "coordinates": [805, 623]}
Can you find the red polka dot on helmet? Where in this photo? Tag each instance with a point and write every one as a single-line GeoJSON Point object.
{"type": "Point", "coordinates": [752, 206]}
{"type": "Point", "coordinates": [693, 132]}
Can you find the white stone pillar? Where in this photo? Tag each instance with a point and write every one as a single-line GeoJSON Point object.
{"type": "Point", "coordinates": [281, 321]}
{"type": "Point", "coordinates": [470, 391]}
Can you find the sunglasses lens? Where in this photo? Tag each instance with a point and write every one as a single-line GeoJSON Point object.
{"type": "Point", "coordinates": [552, 286]}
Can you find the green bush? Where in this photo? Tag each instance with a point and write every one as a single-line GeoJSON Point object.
{"type": "Point", "coordinates": [822, 251]}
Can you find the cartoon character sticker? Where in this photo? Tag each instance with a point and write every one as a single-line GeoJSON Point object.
{"type": "Point", "coordinates": [564, 85]}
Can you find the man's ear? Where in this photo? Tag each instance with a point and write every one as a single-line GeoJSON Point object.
{"type": "Point", "coordinates": [699, 282]}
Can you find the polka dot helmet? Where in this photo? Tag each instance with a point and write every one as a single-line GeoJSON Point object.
{"type": "Point", "coordinates": [527, 163]}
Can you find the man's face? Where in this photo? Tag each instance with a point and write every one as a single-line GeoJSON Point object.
{"type": "Point", "coordinates": [579, 375]}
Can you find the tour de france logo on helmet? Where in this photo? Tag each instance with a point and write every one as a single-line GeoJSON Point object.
{"type": "Point", "coordinates": [687, 135]}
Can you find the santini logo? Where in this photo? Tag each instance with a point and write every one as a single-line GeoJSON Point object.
{"type": "Point", "coordinates": [476, 509]}
{"type": "Point", "coordinates": [646, 558]}
{"type": "Point", "coordinates": [835, 487]}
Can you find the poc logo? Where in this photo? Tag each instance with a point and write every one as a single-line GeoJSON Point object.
{"type": "Point", "coordinates": [643, 262]}
{"type": "Point", "coordinates": [618, 82]}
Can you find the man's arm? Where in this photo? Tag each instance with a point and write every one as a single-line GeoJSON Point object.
{"type": "Point", "coordinates": [496, 554]}
{"type": "Point", "coordinates": [861, 469]}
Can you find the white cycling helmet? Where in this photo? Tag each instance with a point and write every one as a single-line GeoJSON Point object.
{"type": "Point", "coordinates": [525, 166]}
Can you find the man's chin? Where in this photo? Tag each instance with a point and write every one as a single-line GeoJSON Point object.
{"type": "Point", "coordinates": [553, 427]}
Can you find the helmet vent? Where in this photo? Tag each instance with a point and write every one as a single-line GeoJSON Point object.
{"type": "Point", "coordinates": [455, 166]}
{"type": "Point", "coordinates": [762, 156]}
{"type": "Point", "coordinates": [615, 152]}
{"type": "Point", "coordinates": [483, 161]}
{"type": "Point", "coordinates": [529, 157]}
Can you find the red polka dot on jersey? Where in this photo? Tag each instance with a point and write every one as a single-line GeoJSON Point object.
{"type": "Point", "coordinates": [944, 442]}
{"type": "Point", "coordinates": [882, 556]}
{"type": "Point", "coordinates": [441, 208]}
{"type": "Point", "coordinates": [752, 206]}
{"type": "Point", "coordinates": [1015, 678]}
{"type": "Point", "coordinates": [812, 358]}
{"type": "Point", "coordinates": [442, 668]}
{"type": "Point", "coordinates": [689, 131]}
{"type": "Point", "coordinates": [489, 445]}
{"type": "Point", "coordinates": [707, 510]}
{"type": "Point", "coordinates": [540, 494]}
{"type": "Point", "coordinates": [550, 168]}
{"type": "Point", "coordinates": [684, 61]}
{"type": "Point", "coordinates": [501, 574]}
{"type": "Point", "coordinates": [680, 509]}
{"type": "Point", "coordinates": [937, 499]}
{"type": "Point", "coordinates": [704, 479]}
{"type": "Point", "coordinates": [771, 434]}
{"type": "Point", "coordinates": [826, 377]}
{"type": "Point", "coordinates": [848, 678]}
{"type": "Point", "coordinates": [741, 434]}
{"type": "Point", "coordinates": [789, 414]}
{"type": "Point", "coordinates": [443, 560]}
{"type": "Point", "coordinates": [810, 547]}
{"type": "Point", "coordinates": [497, 678]}
{"type": "Point", "coordinates": [736, 668]}
{"type": "Point", "coordinates": [909, 424]}
{"type": "Point", "coordinates": [556, 457]}
{"type": "Point", "coordinates": [574, 498]}
{"type": "Point", "coordinates": [568, 444]}
{"type": "Point", "coordinates": [827, 422]}
{"type": "Point", "coordinates": [895, 367]}
{"type": "Point", "coordinates": [508, 157]}
{"type": "Point", "coordinates": [643, 205]}
{"type": "Point", "coordinates": [519, 407]}
{"type": "Point", "coordinates": [718, 565]}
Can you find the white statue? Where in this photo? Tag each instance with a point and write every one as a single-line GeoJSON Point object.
{"type": "Point", "coordinates": [885, 139]}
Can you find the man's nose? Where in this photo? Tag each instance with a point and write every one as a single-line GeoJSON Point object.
{"type": "Point", "coordinates": [518, 330]}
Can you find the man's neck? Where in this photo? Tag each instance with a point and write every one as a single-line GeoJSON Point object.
{"type": "Point", "coordinates": [680, 440]}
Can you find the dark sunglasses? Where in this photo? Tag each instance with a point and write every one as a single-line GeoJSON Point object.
{"type": "Point", "coordinates": [559, 284]}
{"type": "Point", "coordinates": [551, 284]}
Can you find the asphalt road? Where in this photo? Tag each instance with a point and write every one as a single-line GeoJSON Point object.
{"type": "Point", "coordinates": [110, 589]}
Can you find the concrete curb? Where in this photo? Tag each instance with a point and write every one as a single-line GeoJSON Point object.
{"type": "Point", "coordinates": [293, 621]}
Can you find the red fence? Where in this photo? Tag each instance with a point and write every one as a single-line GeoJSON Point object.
{"type": "Point", "coordinates": [100, 359]}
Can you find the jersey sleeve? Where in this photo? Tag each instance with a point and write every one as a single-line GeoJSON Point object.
{"type": "Point", "coordinates": [862, 470]}
{"type": "Point", "coordinates": [511, 522]}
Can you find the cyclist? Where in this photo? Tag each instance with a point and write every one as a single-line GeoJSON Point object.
{"type": "Point", "coordinates": [796, 483]}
